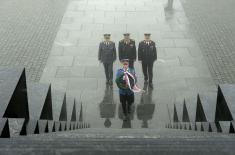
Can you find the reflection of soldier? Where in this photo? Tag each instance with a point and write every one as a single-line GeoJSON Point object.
{"type": "Point", "coordinates": [107, 107]}
{"type": "Point", "coordinates": [146, 108]}
{"type": "Point", "coordinates": [121, 114]}
{"type": "Point", "coordinates": [169, 5]}
{"type": "Point", "coordinates": [126, 124]}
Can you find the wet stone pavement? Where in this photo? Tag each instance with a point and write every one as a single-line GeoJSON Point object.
{"type": "Point", "coordinates": [214, 29]}
{"type": "Point", "coordinates": [73, 66]}
{"type": "Point", "coordinates": [28, 29]}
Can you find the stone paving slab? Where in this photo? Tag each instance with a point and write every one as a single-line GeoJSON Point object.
{"type": "Point", "coordinates": [179, 72]}
{"type": "Point", "coordinates": [28, 29]}
{"type": "Point", "coordinates": [214, 31]}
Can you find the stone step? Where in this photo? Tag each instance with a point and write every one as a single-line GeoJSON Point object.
{"type": "Point", "coordinates": [121, 141]}
{"type": "Point", "coordinates": [118, 146]}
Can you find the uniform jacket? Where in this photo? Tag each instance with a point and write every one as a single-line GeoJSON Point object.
{"type": "Point", "coordinates": [127, 50]}
{"type": "Point", "coordinates": [107, 52]}
{"type": "Point", "coordinates": [147, 52]}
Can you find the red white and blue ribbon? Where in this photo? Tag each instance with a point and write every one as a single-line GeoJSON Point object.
{"type": "Point", "coordinates": [135, 88]}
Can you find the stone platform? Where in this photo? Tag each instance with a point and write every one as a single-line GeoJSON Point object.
{"type": "Point", "coordinates": [73, 66]}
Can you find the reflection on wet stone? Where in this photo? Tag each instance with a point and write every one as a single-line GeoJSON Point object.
{"type": "Point", "coordinates": [169, 10]}
{"type": "Point", "coordinates": [126, 124]}
{"type": "Point", "coordinates": [169, 5]}
{"type": "Point", "coordinates": [107, 107]}
{"type": "Point", "coordinates": [121, 114]}
{"type": "Point", "coordinates": [145, 108]}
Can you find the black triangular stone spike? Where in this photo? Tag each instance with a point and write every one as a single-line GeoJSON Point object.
{"type": "Point", "coordinates": [185, 126]}
{"type": "Point", "coordinates": [210, 128]}
{"type": "Point", "coordinates": [60, 128]}
{"type": "Point", "coordinates": [202, 129]}
{"type": "Point", "coordinates": [224, 99]}
{"type": "Point", "coordinates": [175, 116]}
{"type": "Point", "coordinates": [23, 131]}
{"type": "Point", "coordinates": [4, 128]}
{"type": "Point", "coordinates": [40, 104]}
{"type": "Point", "coordinates": [231, 129]}
{"type": "Point", "coordinates": [47, 113]}
{"type": "Point", "coordinates": [65, 126]}
{"type": "Point", "coordinates": [81, 114]}
{"type": "Point", "coordinates": [200, 114]}
{"type": "Point", "coordinates": [14, 102]}
{"type": "Point", "coordinates": [185, 113]}
{"type": "Point", "coordinates": [74, 112]}
{"type": "Point", "coordinates": [63, 112]}
{"type": "Point", "coordinates": [47, 128]}
{"type": "Point", "coordinates": [36, 131]}
{"type": "Point", "coordinates": [53, 127]}
{"type": "Point", "coordinates": [219, 129]}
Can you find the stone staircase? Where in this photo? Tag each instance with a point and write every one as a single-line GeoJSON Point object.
{"type": "Point", "coordinates": [121, 141]}
{"type": "Point", "coordinates": [34, 119]}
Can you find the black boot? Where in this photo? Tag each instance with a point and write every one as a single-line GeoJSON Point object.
{"type": "Point", "coordinates": [151, 85]}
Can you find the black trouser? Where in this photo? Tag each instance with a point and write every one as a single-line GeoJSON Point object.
{"type": "Point", "coordinates": [148, 71]}
{"type": "Point", "coordinates": [127, 101]}
{"type": "Point", "coordinates": [108, 69]}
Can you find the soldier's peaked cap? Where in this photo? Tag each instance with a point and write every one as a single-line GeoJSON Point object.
{"type": "Point", "coordinates": [125, 60]}
{"type": "Point", "coordinates": [126, 34]}
{"type": "Point", "coordinates": [107, 35]}
{"type": "Point", "coordinates": [147, 34]}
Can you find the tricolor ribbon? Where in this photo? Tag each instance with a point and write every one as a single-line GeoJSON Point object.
{"type": "Point", "coordinates": [135, 88]}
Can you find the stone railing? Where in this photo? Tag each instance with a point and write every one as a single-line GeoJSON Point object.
{"type": "Point", "coordinates": [211, 112]}
{"type": "Point", "coordinates": [33, 108]}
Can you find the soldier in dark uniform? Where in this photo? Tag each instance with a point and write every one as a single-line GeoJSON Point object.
{"type": "Point", "coordinates": [127, 49]}
{"type": "Point", "coordinates": [147, 54]}
{"type": "Point", "coordinates": [107, 55]}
